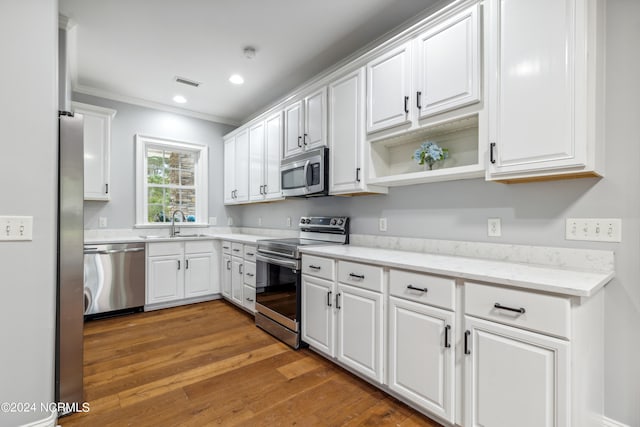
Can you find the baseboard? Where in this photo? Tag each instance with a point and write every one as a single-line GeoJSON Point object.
{"type": "Point", "coordinates": [50, 421]}
{"type": "Point", "coordinates": [608, 422]}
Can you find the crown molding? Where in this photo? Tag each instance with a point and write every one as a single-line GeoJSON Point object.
{"type": "Point", "coordinates": [65, 23]}
{"type": "Point", "coordinates": [87, 90]}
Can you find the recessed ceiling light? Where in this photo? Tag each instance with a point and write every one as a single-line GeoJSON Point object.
{"type": "Point", "coordinates": [179, 99]}
{"type": "Point", "coordinates": [236, 79]}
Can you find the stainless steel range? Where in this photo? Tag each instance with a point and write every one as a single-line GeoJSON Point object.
{"type": "Point", "coordinates": [278, 277]}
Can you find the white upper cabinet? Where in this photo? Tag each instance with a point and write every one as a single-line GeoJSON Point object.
{"type": "Point", "coordinates": [544, 116]}
{"type": "Point", "coordinates": [97, 150]}
{"type": "Point", "coordinates": [388, 89]}
{"type": "Point", "coordinates": [306, 123]}
{"type": "Point", "coordinates": [448, 64]}
{"type": "Point", "coordinates": [265, 142]}
{"type": "Point", "coordinates": [236, 168]}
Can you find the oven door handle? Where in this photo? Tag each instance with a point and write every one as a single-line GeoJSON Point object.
{"type": "Point", "coordinates": [305, 172]}
{"type": "Point", "coordinates": [293, 264]}
{"type": "Point", "coordinates": [280, 254]}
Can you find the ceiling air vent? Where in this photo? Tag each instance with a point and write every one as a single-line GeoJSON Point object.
{"type": "Point", "coordinates": [187, 82]}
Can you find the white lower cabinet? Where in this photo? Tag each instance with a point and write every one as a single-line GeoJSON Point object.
{"type": "Point", "coordinates": [237, 279]}
{"type": "Point", "coordinates": [344, 322]}
{"type": "Point", "coordinates": [239, 274]}
{"type": "Point", "coordinates": [181, 271]}
{"type": "Point", "coordinates": [421, 355]}
{"type": "Point", "coordinates": [514, 377]}
{"type": "Point", "coordinates": [225, 278]}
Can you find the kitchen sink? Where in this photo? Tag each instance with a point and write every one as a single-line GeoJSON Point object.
{"type": "Point", "coordinates": [180, 236]}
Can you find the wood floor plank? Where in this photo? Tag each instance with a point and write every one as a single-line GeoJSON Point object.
{"type": "Point", "coordinates": [208, 365]}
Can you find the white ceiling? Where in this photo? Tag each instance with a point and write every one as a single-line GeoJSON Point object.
{"type": "Point", "coordinates": [133, 49]}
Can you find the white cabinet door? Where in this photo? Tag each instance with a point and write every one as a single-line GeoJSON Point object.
{"type": "Point", "coordinates": [346, 105]}
{"type": "Point", "coordinates": [514, 377]}
{"type": "Point", "coordinates": [315, 120]}
{"type": "Point", "coordinates": [448, 64]}
{"type": "Point", "coordinates": [538, 90]}
{"type": "Point", "coordinates": [97, 150]}
{"type": "Point", "coordinates": [198, 272]}
{"type": "Point", "coordinates": [242, 166]}
{"type": "Point", "coordinates": [388, 89]}
{"type": "Point", "coordinates": [237, 279]}
{"type": "Point", "coordinates": [359, 326]}
{"type": "Point", "coordinates": [229, 170]}
{"type": "Point", "coordinates": [225, 275]}
{"type": "Point", "coordinates": [256, 161]}
{"type": "Point", "coordinates": [166, 279]}
{"type": "Point", "coordinates": [421, 356]}
{"type": "Point", "coordinates": [317, 322]}
{"type": "Point", "coordinates": [293, 115]}
{"type": "Point", "coordinates": [273, 153]}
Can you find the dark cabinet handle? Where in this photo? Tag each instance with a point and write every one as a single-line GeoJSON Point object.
{"type": "Point", "coordinates": [357, 174]}
{"type": "Point", "coordinates": [425, 290]}
{"type": "Point", "coordinates": [357, 276]}
{"type": "Point", "coordinates": [250, 254]}
{"type": "Point", "coordinates": [265, 189]}
{"type": "Point", "coordinates": [236, 250]}
{"type": "Point", "coordinates": [240, 268]}
{"type": "Point", "coordinates": [418, 100]}
{"type": "Point", "coordinates": [492, 158]}
{"type": "Point", "coordinates": [299, 143]}
{"type": "Point", "coordinates": [520, 310]}
{"type": "Point", "coordinates": [447, 344]}
{"type": "Point", "coordinates": [329, 298]}
{"type": "Point", "coordinates": [186, 264]}
{"type": "Point", "coordinates": [466, 342]}
{"type": "Point", "coordinates": [406, 104]}
{"type": "Point", "coordinates": [249, 299]}
{"type": "Point", "coordinates": [315, 267]}
{"type": "Point", "coordinates": [225, 247]}
{"type": "Point", "coordinates": [338, 301]}
{"type": "Point", "coordinates": [304, 139]}
{"type": "Point", "coordinates": [106, 189]}
{"type": "Point", "coordinates": [261, 189]}
{"type": "Point", "coordinates": [250, 274]}
{"type": "Point", "coordinates": [228, 265]}
{"type": "Point", "coordinates": [178, 264]}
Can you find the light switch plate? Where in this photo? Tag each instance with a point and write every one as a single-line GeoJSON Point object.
{"type": "Point", "coordinates": [213, 220]}
{"type": "Point", "coordinates": [382, 224]}
{"type": "Point", "coordinates": [288, 221]}
{"type": "Point", "coordinates": [594, 229]}
{"type": "Point", "coordinates": [16, 228]}
{"type": "Point", "coordinates": [103, 222]}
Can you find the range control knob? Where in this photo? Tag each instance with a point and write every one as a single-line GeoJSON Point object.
{"type": "Point", "coordinates": [340, 221]}
{"type": "Point", "coordinates": [333, 221]}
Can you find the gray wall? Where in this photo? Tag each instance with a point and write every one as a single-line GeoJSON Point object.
{"type": "Point", "coordinates": [534, 213]}
{"type": "Point", "coordinates": [28, 124]}
{"type": "Point", "coordinates": [130, 119]}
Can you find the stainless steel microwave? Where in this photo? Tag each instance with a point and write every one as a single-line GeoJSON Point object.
{"type": "Point", "coordinates": [306, 174]}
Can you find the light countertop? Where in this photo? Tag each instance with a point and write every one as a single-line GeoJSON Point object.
{"type": "Point", "coordinates": [235, 237]}
{"type": "Point", "coordinates": [532, 277]}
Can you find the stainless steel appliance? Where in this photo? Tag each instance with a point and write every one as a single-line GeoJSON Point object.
{"type": "Point", "coordinates": [69, 313]}
{"type": "Point", "coordinates": [114, 278]}
{"type": "Point", "coordinates": [306, 174]}
{"type": "Point", "coordinates": [278, 278]}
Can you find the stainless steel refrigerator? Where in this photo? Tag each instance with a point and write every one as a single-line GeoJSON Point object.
{"type": "Point", "coordinates": [70, 303]}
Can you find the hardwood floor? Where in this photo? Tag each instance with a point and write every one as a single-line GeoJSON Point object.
{"type": "Point", "coordinates": [208, 364]}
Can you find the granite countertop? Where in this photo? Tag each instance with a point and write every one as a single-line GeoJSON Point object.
{"type": "Point", "coordinates": [235, 237]}
{"type": "Point", "coordinates": [527, 276]}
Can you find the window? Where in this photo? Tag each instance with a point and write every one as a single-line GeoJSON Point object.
{"type": "Point", "coordinates": [171, 176]}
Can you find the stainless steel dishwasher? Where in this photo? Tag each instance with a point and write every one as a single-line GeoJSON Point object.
{"type": "Point", "coordinates": [114, 278]}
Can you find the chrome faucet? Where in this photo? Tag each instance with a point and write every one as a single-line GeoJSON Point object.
{"type": "Point", "coordinates": [175, 232]}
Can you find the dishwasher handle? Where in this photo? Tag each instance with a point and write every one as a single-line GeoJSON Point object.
{"type": "Point", "coordinates": [94, 251]}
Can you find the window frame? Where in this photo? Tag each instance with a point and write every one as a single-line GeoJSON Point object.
{"type": "Point", "coordinates": [201, 174]}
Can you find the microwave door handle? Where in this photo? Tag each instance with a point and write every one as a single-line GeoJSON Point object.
{"type": "Point", "coordinates": [305, 172]}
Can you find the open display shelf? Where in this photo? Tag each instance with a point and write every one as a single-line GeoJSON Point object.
{"type": "Point", "coordinates": [392, 161]}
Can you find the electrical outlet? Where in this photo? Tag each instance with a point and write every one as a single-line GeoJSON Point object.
{"type": "Point", "coordinates": [382, 224]}
{"type": "Point", "coordinates": [102, 223]}
{"type": "Point", "coordinates": [213, 220]}
{"type": "Point", "coordinates": [15, 228]}
{"type": "Point", "coordinates": [259, 221]}
{"type": "Point", "coordinates": [494, 227]}
{"type": "Point", "coordinates": [594, 229]}
{"type": "Point", "coordinates": [288, 221]}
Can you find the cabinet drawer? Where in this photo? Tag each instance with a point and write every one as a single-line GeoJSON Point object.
{"type": "Point", "coordinates": [198, 246]}
{"type": "Point", "coordinates": [250, 253]}
{"type": "Point", "coordinates": [249, 270]}
{"type": "Point", "coordinates": [544, 313]}
{"type": "Point", "coordinates": [423, 288]}
{"type": "Point", "coordinates": [323, 268]}
{"type": "Point", "coordinates": [360, 275]}
{"type": "Point", "coordinates": [226, 247]}
{"type": "Point", "coordinates": [164, 248]}
{"type": "Point", "coordinates": [237, 249]}
{"type": "Point", "coordinates": [249, 297]}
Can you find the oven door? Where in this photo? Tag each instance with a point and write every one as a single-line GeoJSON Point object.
{"type": "Point", "coordinates": [278, 290]}
{"type": "Point", "coordinates": [304, 177]}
